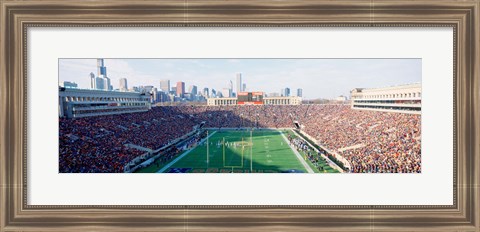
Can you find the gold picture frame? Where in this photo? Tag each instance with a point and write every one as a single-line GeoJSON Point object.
{"type": "Point", "coordinates": [17, 16]}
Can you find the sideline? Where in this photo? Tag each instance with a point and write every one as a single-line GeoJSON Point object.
{"type": "Point", "coordinates": [182, 155]}
{"type": "Point", "coordinates": [299, 157]}
{"type": "Point", "coordinates": [329, 162]}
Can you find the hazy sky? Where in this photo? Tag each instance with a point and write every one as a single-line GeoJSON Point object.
{"type": "Point", "coordinates": [319, 78]}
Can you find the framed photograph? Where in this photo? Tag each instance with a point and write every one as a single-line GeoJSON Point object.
{"type": "Point", "coordinates": [240, 116]}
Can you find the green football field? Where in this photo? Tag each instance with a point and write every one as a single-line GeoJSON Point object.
{"type": "Point", "coordinates": [245, 151]}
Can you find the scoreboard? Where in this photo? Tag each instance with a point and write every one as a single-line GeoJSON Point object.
{"type": "Point", "coordinates": [250, 98]}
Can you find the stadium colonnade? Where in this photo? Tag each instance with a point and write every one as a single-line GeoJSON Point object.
{"type": "Point", "coordinates": [401, 98]}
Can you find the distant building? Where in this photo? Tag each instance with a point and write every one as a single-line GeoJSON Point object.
{"type": "Point", "coordinates": [123, 84]}
{"type": "Point", "coordinates": [239, 83]}
{"type": "Point", "coordinates": [162, 97]}
{"type": "Point", "coordinates": [101, 69]}
{"type": "Point", "coordinates": [226, 92]}
{"type": "Point", "coordinates": [68, 84]}
{"type": "Point", "coordinates": [171, 97]}
{"type": "Point", "coordinates": [154, 95]}
{"type": "Point", "coordinates": [146, 89]}
{"type": "Point", "coordinates": [244, 88]}
{"type": "Point", "coordinates": [188, 96]}
{"type": "Point", "coordinates": [286, 92]}
{"type": "Point", "coordinates": [206, 92]}
{"type": "Point", "coordinates": [165, 85]}
{"type": "Point", "coordinates": [101, 81]}
{"type": "Point", "coordinates": [180, 88]}
{"type": "Point", "coordinates": [299, 92]}
{"type": "Point", "coordinates": [341, 98]}
{"type": "Point", "coordinates": [106, 83]}
{"type": "Point", "coordinates": [94, 82]}
{"type": "Point", "coordinates": [266, 101]}
{"type": "Point", "coordinates": [282, 92]}
{"type": "Point", "coordinates": [401, 98]}
{"type": "Point", "coordinates": [274, 95]}
{"type": "Point", "coordinates": [192, 90]}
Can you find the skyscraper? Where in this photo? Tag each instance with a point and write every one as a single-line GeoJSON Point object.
{"type": "Point", "coordinates": [162, 97]}
{"type": "Point", "coordinates": [154, 95]}
{"type": "Point", "coordinates": [180, 88]}
{"type": "Point", "coordinates": [101, 81]}
{"type": "Point", "coordinates": [193, 90]}
{"type": "Point", "coordinates": [244, 88]}
{"type": "Point", "coordinates": [239, 83]}
{"type": "Point", "coordinates": [205, 92]}
{"type": "Point", "coordinates": [101, 69]}
{"type": "Point", "coordinates": [299, 92]}
{"type": "Point", "coordinates": [287, 92]}
{"type": "Point", "coordinates": [165, 85]}
{"type": "Point", "coordinates": [93, 81]}
{"type": "Point", "coordinates": [97, 82]}
{"type": "Point", "coordinates": [123, 84]}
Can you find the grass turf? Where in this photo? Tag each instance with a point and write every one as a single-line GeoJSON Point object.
{"type": "Point", "coordinates": [270, 153]}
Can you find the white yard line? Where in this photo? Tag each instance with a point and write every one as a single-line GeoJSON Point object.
{"type": "Point", "coordinates": [299, 157]}
{"type": "Point", "coordinates": [182, 155]}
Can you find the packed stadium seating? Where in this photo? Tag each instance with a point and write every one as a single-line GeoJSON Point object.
{"type": "Point", "coordinates": [372, 141]}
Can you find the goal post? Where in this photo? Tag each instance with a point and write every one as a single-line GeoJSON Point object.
{"type": "Point", "coordinates": [244, 148]}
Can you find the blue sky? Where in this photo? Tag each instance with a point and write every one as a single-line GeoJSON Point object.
{"type": "Point", "coordinates": [319, 78]}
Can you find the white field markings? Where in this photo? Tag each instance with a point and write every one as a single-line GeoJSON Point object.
{"type": "Point", "coordinates": [266, 142]}
{"type": "Point", "coordinates": [183, 155]}
{"type": "Point", "coordinates": [299, 157]}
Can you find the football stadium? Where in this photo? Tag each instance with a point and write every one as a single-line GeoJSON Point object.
{"type": "Point", "coordinates": [101, 130]}
{"type": "Point", "coordinates": [242, 138]}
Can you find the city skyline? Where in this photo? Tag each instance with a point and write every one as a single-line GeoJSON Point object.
{"type": "Point", "coordinates": [318, 78]}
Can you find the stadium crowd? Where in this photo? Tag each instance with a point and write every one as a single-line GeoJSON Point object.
{"type": "Point", "coordinates": [97, 144]}
{"type": "Point", "coordinates": [371, 141]}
